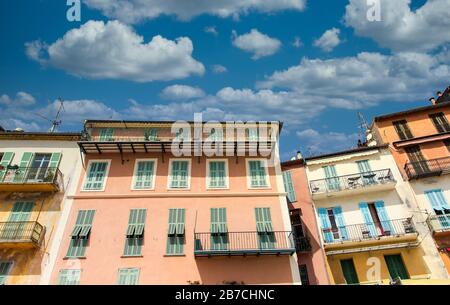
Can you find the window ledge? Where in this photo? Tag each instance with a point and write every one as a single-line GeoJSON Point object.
{"type": "Point", "coordinates": [131, 256]}
{"type": "Point", "coordinates": [70, 257]}
{"type": "Point", "coordinates": [174, 255]}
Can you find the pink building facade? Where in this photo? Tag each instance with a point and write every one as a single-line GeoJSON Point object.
{"type": "Point", "coordinates": [310, 254]}
{"type": "Point", "coordinates": [141, 215]}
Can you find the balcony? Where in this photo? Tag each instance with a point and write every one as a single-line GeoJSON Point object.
{"type": "Point", "coordinates": [30, 179]}
{"type": "Point", "coordinates": [244, 243]}
{"type": "Point", "coordinates": [302, 244]}
{"type": "Point", "coordinates": [439, 224]}
{"type": "Point", "coordinates": [390, 234]}
{"type": "Point", "coordinates": [353, 184]}
{"type": "Point", "coordinates": [427, 168]}
{"type": "Point", "coordinates": [23, 234]}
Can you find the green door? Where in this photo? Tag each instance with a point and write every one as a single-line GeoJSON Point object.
{"type": "Point", "coordinates": [350, 275]}
{"type": "Point", "coordinates": [396, 267]}
{"type": "Point", "coordinates": [16, 228]}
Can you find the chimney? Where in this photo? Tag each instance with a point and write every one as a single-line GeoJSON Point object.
{"type": "Point", "coordinates": [432, 100]}
{"type": "Point", "coordinates": [299, 155]}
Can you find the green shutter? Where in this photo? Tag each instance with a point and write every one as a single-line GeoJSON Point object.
{"type": "Point", "coordinates": [180, 174]}
{"type": "Point", "coordinates": [219, 236]}
{"type": "Point", "coordinates": [106, 134]}
{"type": "Point", "coordinates": [349, 271]}
{"type": "Point", "coordinates": [144, 174]}
{"type": "Point", "coordinates": [80, 233]}
{"type": "Point", "coordinates": [396, 267]}
{"type": "Point", "coordinates": [96, 176]}
{"type": "Point", "coordinates": [289, 186]}
{"type": "Point", "coordinates": [176, 231]}
{"type": "Point", "coordinates": [135, 232]}
{"type": "Point", "coordinates": [69, 277]}
{"type": "Point", "coordinates": [5, 268]}
{"type": "Point", "coordinates": [217, 174]}
{"type": "Point", "coordinates": [6, 160]}
{"type": "Point", "coordinates": [257, 174]}
{"type": "Point", "coordinates": [128, 276]}
{"type": "Point", "coordinates": [53, 166]}
{"type": "Point", "coordinates": [24, 164]}
{"type": "Point", "coordinates": [266, 236]}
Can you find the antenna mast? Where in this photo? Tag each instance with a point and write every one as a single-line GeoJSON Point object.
{"type": "Point", "coordinates": [56, 122]}
{"type": "Point", "coordinates": [364, 129]}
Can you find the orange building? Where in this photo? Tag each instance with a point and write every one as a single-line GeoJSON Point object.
{"type": "Point", "coordinates": [310, 253]}
{"type": "Point", "coordinates": [143, 214]}
{"type": "Point", "coordinates": [419, 140]}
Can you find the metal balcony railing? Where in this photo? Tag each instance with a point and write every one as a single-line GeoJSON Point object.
{"type": "Point", "coordinates": [439, 223]}
{"type": "Point", "coordinates": [244, 243]}
{"type": "Point", "coordinates": [369, 231]}
{"type": "Point", "coordinates": [21, 231]}
{"type": "Point", "coordinates": [302, 244]}
{"type": "Point", "coordinates": [24, 175]}
{"type": "Point", "coordinates": [165, 139]}
{"type": "Point", "coordinates": [349, 182]}
{"type": "Point", "coordinates": [427, 168]}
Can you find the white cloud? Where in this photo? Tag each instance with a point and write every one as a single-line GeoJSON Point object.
{"type": "Point", "coordinates": [364, 80]}
{"type": "Point", "coordinates": [211, 30]}
{"type": "Point", "coordinates": [314, 142]}
{"type": "Point", "coordinates": [181, 92]}
{"type": "Point", "coordinates": [114, 51]}
{"type": "Point", "coordinates": [257, 43]}
{"type": "Point", "coordinates": [133, 11]}
{"type": "Point", "coordinates": [329, 40]}
{"type": "Point", "coordinates": [297, 42]}
{"type": "Point", "coordinates": [219, 69]}
{"type": "Point", "coordinates": [400, 28]}
{"type": "Point", "coordinates": [21, 99]}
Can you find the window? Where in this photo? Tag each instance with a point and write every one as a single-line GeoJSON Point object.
{"type": "Point", "coordinates": [128, 276]}
{"type": "Point", "coordinates": [396, 267]}
{"type": "Point", "coordinates": [296, 223]}
{"type": "Point", "coordinates": [332, 180]}
{"type": "Point", "coordinates": [135, 232]}
{"type": "Point", "coordinates": [106, 134]}
{"type": "Point", "coordinates": [16, 227]}
{"type": "Point", "coordinates": [151, 134]}
{"type": "Point", "coordinates": [440, 206]}
{"type": "Point", "coordinates": [5, 160]}
{"type": "Point", "coordinates": [440, 122]}
{"type": "Point", "coordinates": [304, 275]}
{"type": "Point", "coordinates": [349, 271]}
{"type": "Point", "coordinates": [144, 174]}
{"type": "Point", "coordinates": [219, 230]}
{"type": "Point", "coordinates": [69, 277]}
{"type": "Point", "coordinates": [179, 174]}
{"type": "Point", "coordinates": [217, 174]}
{"type": "Point", "coordinates": [376, 219]}
{"type": "Point", "coordinates": [403, 130]}
{"type": "Point", "coordinates": [266, 234]}
{"type": "Point", "coordinates": [175, 239]}
{"type": "Point", "coordinates": [5, 268]}
{"type": "Point", "coordinates": [257, 170]}
{"type": "Point", "coordinates": [96, 176]}
{"type": "Point", "coordinates": [417, 160]}
{"type": "Point", "coordinates": [289, 186]}
{"type": "Point", "coordinates": [333, 224]}
{"type": "Point", "coordinates": [80, 234]}
{"type": "Point", "coordinates": [368, 177]}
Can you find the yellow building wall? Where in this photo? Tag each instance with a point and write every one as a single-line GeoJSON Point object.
{"type": "Point", "coordinates": [412, 258]}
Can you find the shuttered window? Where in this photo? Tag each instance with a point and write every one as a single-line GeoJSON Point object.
{"type": "Point", "coordinates": [402, 129]}
{"type": "Point", "coordinates": [135, 232]}
{"type": "Point", "coordinates": [349, 271]}
{"type": "Point", "coordinates": [180, 174]}
{"type": "Point", "coordinates": [266, 236]}
{"type": "Point", "coordinates": [440, 122]}
{"type": "Point", "coordinates": [151, 134]}
{"type": "Point", "coordinates": [289, 186]}
{"type": "Point", "coordinates": [69, 277]}
{"type": "Point", "coordinates": [396, 267]}
{"type": "Point", "coordinates": [175, 232]}
{"type": "Point", "coordinates": [217, 174]}
{"type": "Point", "coordinates": [144, 175]}
{"type": "Point", "coordinates": [219, 229]}
{"type": "Point", "coordinates": [5, 160]}
{"type": "Point", "coordinates": [106, 134]}
{"type": "Point", "coordinates": [128, 276]}
{"type": "Point", "coordinates": [80, 234]}
{"type": "Point", "coordinates": [258, 175]}
{"type": "Point", "coordinates": [96, 176]}
{"type": "Point", "coordinates": [5, 268]}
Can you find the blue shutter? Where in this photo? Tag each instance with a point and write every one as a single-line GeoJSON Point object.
{"type": "Point", "coordinates": [340, 222]}
{"type": "Point", "coordinates": [437, 200]}
{"type": "Point", "coordinates": [384, 218]}
{"type": "Point", "coordinates": [326, 225]}
{"type": "Point", "coordinates": [363, 206]}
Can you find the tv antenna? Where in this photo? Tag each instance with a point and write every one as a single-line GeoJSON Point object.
{"type": "Point", "coordinates": [56, 121]}
{"type": "Point", "coordinates": [364, 128]}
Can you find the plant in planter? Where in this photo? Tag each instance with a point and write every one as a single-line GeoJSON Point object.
{"type": "Point", "coordinates": [50, 175]}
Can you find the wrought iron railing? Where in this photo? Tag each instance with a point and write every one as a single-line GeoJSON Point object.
{"type": "Point", "coordinates": [235, 243]}
{"type": "Point", "coordinates": [302, 244]}
{"type": "Point", "coordinates": [439, 223]}
{"type": "Point", "coordinates": [427, 168]}
{"type": "Point", "coordinates": [21, 231]}
{"type": "Point", "coordinates": [349, 182]}
{"type": "Point", "coordinates": [166, 139]}
{"type": "Point", "coordinates": [23, 175]}
{"type": "Point", "coordinates": [369, 231]}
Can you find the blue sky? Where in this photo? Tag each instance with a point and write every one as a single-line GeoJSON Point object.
{"type": "Point", "coordinates": [109, 65]}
